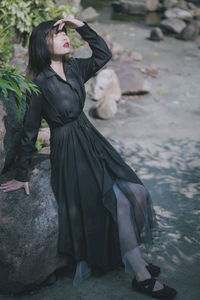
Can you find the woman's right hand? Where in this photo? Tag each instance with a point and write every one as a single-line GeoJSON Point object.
{"type": "Point", "coordinates": [13, 185]}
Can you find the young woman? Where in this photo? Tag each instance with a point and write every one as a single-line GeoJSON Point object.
{"type": "Point", "coordinates": [105, 212]}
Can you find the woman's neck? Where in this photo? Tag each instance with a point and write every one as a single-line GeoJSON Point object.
{"type": "Point", "coordinates": [57, 66]}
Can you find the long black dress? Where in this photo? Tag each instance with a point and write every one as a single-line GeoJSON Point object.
{"type": "Point", "coordinates": [84, 165]}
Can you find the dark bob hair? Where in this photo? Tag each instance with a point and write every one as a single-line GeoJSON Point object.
{"type": "Point", "coordinates": [40, 48]}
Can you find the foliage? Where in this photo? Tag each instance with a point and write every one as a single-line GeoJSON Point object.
{"type": "Point", "coordinates": [39, 145]}
{"type": "Point", "coordinates": [21, 16]}
{"type": "Point", "coordinates": [12, 83]}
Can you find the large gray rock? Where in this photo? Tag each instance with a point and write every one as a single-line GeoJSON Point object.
{"type": "Point", "coordinates": [75, 3]}
{"type": "Point", "coordinates": [190, 32]}
{"type": "Point", "coordinates": [29, 231]}
{"type": "Point", "coordinates": [2, 135]}
{"type": "Point", "coordinates": [173, 25]}
{"type": "Point", "coordinates": [135, 6]}
{"type": "Point", "coordinates": [169, 3]}
{"type": "Point", "coordinates": [89, 14]}
{"type": "Point", "coordinates": [106, 85]}
{"type": "Point", "coordinates": [20, 57]}
{"type": "Point", "coordinates": [178, 13]}
{"type": "Point", "coordinates": [106, 90]}
{"type": "Point", "coordinates": [132, 81]}
{"type": "Point", "coordinates": [10, 132]}
{"type": "Point", "coordinates": [182, 4]}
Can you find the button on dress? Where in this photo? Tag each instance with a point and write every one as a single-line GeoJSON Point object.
{"type": "Point", "coordinates": [87, 173]}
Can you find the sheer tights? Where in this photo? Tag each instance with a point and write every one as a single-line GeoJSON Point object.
{"type": "Point", "coordinates": [132, 215]}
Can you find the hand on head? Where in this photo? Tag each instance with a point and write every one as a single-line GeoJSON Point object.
{"type": "Point", "coordinates": [68, 23]}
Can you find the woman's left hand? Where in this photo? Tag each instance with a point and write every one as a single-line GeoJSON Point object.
{"type": "Point", "coordinates": [69, 23]}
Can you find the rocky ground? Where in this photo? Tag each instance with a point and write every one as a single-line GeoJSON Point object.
{"type": "Point", "coordinates": [160, 131]}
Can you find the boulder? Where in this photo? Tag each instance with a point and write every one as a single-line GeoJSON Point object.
{"type": "Point", "coordinates": [132, 81]}
{"type": "Point", "coordinates": [135, 6]}
{"type": "Point", "coordinates": [75, 3]}
{"type": "Point", "coordinates": [178, 13]}
{"type": "Point", "coordinates": [89, 14]}
{"type": "Point", "coordinates": [169, 3]}
{"type": "Point", "coordinates": [29, 231]}
{"type": "Point", "coordinates": [191, 5]}
{"type": "Point", "coordinates": [10, 132]}
{"type": "Point", "coordinates": [182, 4]}
{"type": "Point", "coordinates": [106, 85]}
{"type": "Point", "coordinates": [19, 56]}
{"type": "Point", "coordinates": [2, 135]}
{"type": "Point", "coordinates": [105, 109]}
{"type": "Point", "coordinates": [106, 89]}
{"type": "Point", "coordinates": [196, 13]}
{"type": "Point", "coordinates": [190, 32]}
{"type": "Point", "coordinates": [156, 34]}
{"type": "Point", "coordinates": [173, 25]}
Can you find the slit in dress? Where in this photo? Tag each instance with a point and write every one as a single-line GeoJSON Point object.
{"type": "Point", "coordinates": [136, 218]}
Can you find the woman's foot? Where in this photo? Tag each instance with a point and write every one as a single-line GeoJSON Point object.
{"type": "Point", "coordinates": [147, 287]}
{"type": "Point", "coordinates": [144, 274]}
{"type": "Point", "coordinates": [143, 282]}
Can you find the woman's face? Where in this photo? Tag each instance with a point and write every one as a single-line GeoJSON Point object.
{"type": "Point", "coordinates": [59, 42]}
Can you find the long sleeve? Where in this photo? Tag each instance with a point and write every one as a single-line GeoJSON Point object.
{"type": "Point", "coordinates": [31, 125]}
{"type": "Point", "coordinates": [101, 54]}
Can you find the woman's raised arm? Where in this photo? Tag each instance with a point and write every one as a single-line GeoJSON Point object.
{"type": "Point", "coordinates": [101, 54]}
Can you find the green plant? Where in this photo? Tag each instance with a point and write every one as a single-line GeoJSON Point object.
{"type": "Point", "coordinates": [12, 83]}
{"type": "Point", "coordinates": [39, 144]}
{"type": "Point", "coordinates": [23, 16]}
{"type": "Point", "coordinates": [19, 18]}
{"type": "Point", "coordinates": [5, 37]}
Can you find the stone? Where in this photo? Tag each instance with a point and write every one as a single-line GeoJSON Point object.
{"type": "Point", "coordinates": [105, 109]}
{"type": "Point", "coordinates": [136, 56]}
{"type": "Point", "coordinates": [190, 32]}
{"type": "Point", "coordinates": [169, 3]}
{"type": "Point", "coordinates": [89, 14]}
{"type": "Point", "coordinates": [117, 48]}
{"type": "Point", "coordinates": [44, 135]}
{"type": "Point", "coordinates": [132, 81]}
{"type": "Point", "coordinates": [75, 3]}
{"type": "Point", "coordinates": [178, 13]}
{"type": "Point", "coordinates": [173, 25]}
{"type": "Point", "coordinates": [106, 85]}
{"type": "Point", "coordinates": [10, 132]}
{"type": "Point", "coordinates": [2, 135]}
{"type": "Point", "coordinates": [106, 90]}
{"type": "Point", "coordinates": [156, 34]}
{"type": "Point", "coordinates": [191, 5]}
{"type": "Point", "coordinates": [29, 231]}
{"type": "Point", "coordinates": [182, 4]}
{"type": "Point", "coordinates": [196, 13]}
{"type": "Point", "coordinates": [19, 56]}
{"type": "Point", "coordinates": [135, 6]}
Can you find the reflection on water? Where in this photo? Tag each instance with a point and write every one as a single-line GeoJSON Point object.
{"type": "Point", "coordinates": [107, 15]}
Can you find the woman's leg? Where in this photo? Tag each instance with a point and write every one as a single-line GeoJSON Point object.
{"type": "Point", "coordinates": [131, 254]}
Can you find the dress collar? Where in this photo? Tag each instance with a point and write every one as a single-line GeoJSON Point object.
{"type": "Point", "coordinates": [48, 71]}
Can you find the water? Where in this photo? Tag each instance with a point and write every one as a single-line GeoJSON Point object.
{"type": "Point", "coordinates": [107, 15]}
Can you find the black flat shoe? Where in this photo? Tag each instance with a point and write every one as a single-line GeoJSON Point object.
{"type": "Point", "coordinates": [153, 269]}
{"type": "Point", "coordinates": [146, 286]}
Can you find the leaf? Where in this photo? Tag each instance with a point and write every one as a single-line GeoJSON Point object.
{"type": "Point", "coordinates": [5, 85]}
{"type": "Point", "coordinates": [155, 53]}
{"type": "Point", "coordinates": [160, 91]}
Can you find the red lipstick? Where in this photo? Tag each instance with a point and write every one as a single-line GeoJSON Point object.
{"type": "Point", "coordinates": [66, 45]}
